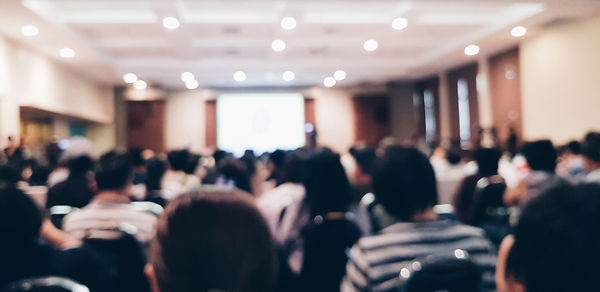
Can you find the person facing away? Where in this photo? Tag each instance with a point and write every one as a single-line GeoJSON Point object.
{"type": "Point", "coordinates": [487, 165]}
{"type": "Point", "coordinates": [591, 157]}
{"type": "Point", "coordinates": [76, 190]}
{"type": "Point", "coordinates": [212, 239]}
{"type": "Point", "coordinates": [555, 243]}
{"type": "Point", "coordinates": [542, 159]}
{"type": "Point", "coordinates": [176, 180]}
{"type": "Point", "coordinates": [111, 210]}
{"type": "Point", "coordinates": [25, 255]}
{"type": "Point", "coordinates": [404, 183]}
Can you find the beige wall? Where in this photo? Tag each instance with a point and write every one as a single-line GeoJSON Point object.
{"type": "Point", "coordinates": [30, 79]}
{"type": "Point", "coordinates": [185, 120]}
{"type": "Point", "coordinates": [560, 85]}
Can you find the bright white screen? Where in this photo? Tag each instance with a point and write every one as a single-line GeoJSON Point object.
{"type": "Point", "coordinates": [261, 122]}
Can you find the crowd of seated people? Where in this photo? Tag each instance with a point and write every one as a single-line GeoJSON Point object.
{"type": "Point", "coordinates": [376, 219]}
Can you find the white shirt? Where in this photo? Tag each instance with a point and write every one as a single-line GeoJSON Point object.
{"type": "Point", "coordinates": [272, 203]}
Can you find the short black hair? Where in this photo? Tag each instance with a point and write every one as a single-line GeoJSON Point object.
{"type": "Point", "coordinates": [487, 160]}
{"type": "Point", "coordinates": [540, 155]}
{"type": "Point", "coordinates": [294, 168]}
{"type": "Point", "coordinates": [80, 165]}
{"type": "Point", "coordinates": [113, 171]}
{"type": "Point", "coordinates": [364, 158]}
{"type": "Point", "coordinates": [558, 235]}
{"type": "Point", "coordinates": [155, 170]}
{"type": "Point", "coordinates": [137, 159]}
{"type": "Point", "coordinates": [404, 182]}
{"type": "Point", "coordinates": [453, 155]}
{"type": "Point", "coordinates": [178, 159]}
{"type": "Point", "coordinates": [9, 176]}
{"type": "Point", "coordinates": [574, 147]}
{"type": "Point", "coordinates": [591, 146]}
{"type": "Point", "coordinates": [20, 219]}
{"type": "Point", "coordinates": [278, 157]}
{"type": "Point", "coordinates": [236, 171]}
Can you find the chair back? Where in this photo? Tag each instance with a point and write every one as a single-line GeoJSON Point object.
{"type": "Point", "coordinates": [58, 213]}
{"type": "Point", "coordinates": [442, 273]}
{"type": "Point", "coordinates": [46, 284]}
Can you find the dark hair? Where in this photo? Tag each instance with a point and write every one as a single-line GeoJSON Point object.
{"type": "Point", "coordinates": [20, 219]}
{"type": "Point", "coordinates": [136, 157]}
{"type": "Point", "coordinates": [213, 238]}
{"type": "Point", "coordinates": [178, 159]}
{"type": "Point", "coordinates": [8, 176]}
{"type": "Point", "coordinates": [80, 165]}
{"type": "Point", "coordinates": [326, 183]}
{"type": "Point", "coordinates": [364, 158]}
{"type": "Point", "coordinates": [155, 170]}
{"type": "Point", "coordinates": [453, 156]}
{"type": "Point", "coordinates": [591, 146]}
{"type": "Point", "coordinates": [113, 171]}
{"type": "Point", "coordinates": [277, 157]}
{"type": "Point", "coordinates": [294, 168]}
{"type": "Point", "coordinates": [404, 182]}
{"type": "Point", "coordinates": [540, 155]}
{"type": "Point", "coordinates": [192, 163]}
{"type": "Point", "coordinates": [574, 147]}
{"type": "Point", "coordinates": [235, 170]}
{"type": "Point", "coordinates": [487, 160]}
{"type": "Point", "coordinates": [39, 175]}
{"type": "Point", "coordinates": [557, 235]}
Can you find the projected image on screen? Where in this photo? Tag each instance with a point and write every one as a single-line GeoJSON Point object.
{"type": "Point", "coordinates": [261, 122]}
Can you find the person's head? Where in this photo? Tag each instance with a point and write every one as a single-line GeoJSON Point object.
{"type": "Point", "coordinates": [137, 160]}
{"type": "Point", "coordinates": [178, 159]}
{"type": "Point", "coordinates": [20, 219]}
{"type": "Point", "coordinates": [326, 183]}
{"type": "Point", "coordinates": [213, 238]}
{"type": "Point", "coordinates": [155, 170]}
{"type": "Point", "coordinates": [39, 175]}
{"type": "Point", "coordinates": [487, 160]}
{"type": "Point", "coordinates": [364, 159]}
{"type": "Point", "coordinates": [453, 156]}
{"type": "Point", "coordinates": [574, 147]}
{"type": "Point", "coordinates": [294, 168]}
{"type": "Point", "coordinates": [404, 182]}
{"type": "Point", "coordinates": [591, 151]}
{"type": "Point", "coordinates": [192, 163]}
{"type": "Point", "coordinates": [9, 176]}
{"type": "Point", "coordinates": [79, 166]}
{"type": "Point", "coordinates": [235, 172]}
{"type": "Point", "coordinates": [113, 172]}
{"type": "Point", "coordinates": [540, 155]}
{"type": "Point", "coordinates": [556, 241]}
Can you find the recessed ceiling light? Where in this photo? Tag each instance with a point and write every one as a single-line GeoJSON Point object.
{"type": "Point", "coordinates": [130, 78]}
{"type": "Point", "coordinates": [66, 53]}
{"type": "Point", "coordinates": [278, 45]}
{"type": "Point", "coordinates": [472, 50]}
{"type": "Point", "coordinates": [329, 81]}
{"type": "Point", "coordinates": [399, 23]}
{"type": "Point", "coordinates": [191, 84]}
{"type": "Point", "coordinates": [288, 23]}
{"type": "Point", "coordinates": [339, 75]}
{"type": "Point", "coordinates": [140, 84]}
{"type": "Point", "coordinates": [29, 30]}
{"type": "Point", "coordinates": [187, 76]}
{"type": "Point", "coordinates": [239, 76]}
{"type": "Point", "coordinates": [170, 22]}
{"type": "Point", "coordinates": [370, 45]}
{"type": "Point", "coordinates": [518, 31]}
{"type": "Point", "coordinates": [288, 76]}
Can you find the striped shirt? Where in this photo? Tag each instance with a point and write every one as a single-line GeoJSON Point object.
{"type": "Point", "coordinates": [101, 217]}
{"type": "Point", "coordinates": [375, 261]}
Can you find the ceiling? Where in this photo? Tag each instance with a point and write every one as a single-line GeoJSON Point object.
{"type": "Point", "coordinates": [218, 37]}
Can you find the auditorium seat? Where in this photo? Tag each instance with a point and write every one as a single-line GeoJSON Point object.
{"type": "Point", "coordinates": [452, 273]}
{"type": "Point", "coordinates": [46, 284]}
